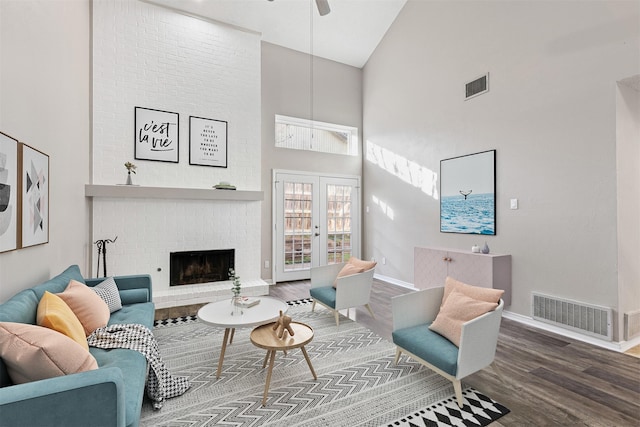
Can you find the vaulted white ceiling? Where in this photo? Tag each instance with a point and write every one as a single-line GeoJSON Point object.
{"type": "Point", "coordinates": [349, 34]}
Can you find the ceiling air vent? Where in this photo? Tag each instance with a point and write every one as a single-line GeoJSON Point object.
{"type": "Point", "coordinates": [476, 87]}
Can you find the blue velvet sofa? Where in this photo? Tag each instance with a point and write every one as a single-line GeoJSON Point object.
{"type": "Point", "coordinates": [108, 396]}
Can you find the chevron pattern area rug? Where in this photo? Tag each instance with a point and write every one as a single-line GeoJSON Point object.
{"type": "Point", "coordinates": [358, 384]}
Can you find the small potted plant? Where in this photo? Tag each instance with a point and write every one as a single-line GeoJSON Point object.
{"type": "Point", "coordinates": [235, 289]}
{"type": "Point", "coordinates": [130, 168]}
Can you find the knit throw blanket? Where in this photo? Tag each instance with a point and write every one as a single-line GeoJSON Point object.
{"type": "Point", "coordinates": [161, 384]}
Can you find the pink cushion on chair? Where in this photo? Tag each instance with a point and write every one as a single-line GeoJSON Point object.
{"type": "Point", "coordinates": [475, 292]}
{"type": "Point", "coordinates": [354, 266]}
{"type": "Point", "coordinates": [456, 310]}
{"type": "Point", "coordinates": [347, 270]}
{"type": "Point", "coordinates": [365, 265]}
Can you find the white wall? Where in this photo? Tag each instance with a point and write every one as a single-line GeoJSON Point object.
{"type": "Point", "coordinates": [628, 161]}
{"type": "Point", "coordinates": [286, 90]}
{"type": "Point", "coordinates": [148, 56]}
{"type": "Point", "coordinates": [550, 114]}
{"type": "Point", "coordinates": [44, 102]}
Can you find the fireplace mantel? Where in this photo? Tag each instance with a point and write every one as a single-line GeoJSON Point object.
{"type": "Point", "coordinates": [142, 192]}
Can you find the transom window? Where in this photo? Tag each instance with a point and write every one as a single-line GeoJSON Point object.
{"type": "Point", "coordinates": [310, 135]}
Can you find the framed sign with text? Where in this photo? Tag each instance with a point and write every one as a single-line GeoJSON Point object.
{"type": "Point", "coordinates": [207, 142]}
{"type": "Point", "coordinates": [156, 135]}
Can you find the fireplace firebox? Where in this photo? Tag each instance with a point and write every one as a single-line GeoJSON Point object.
{"type": "Point", "coordinates": [192, 267]}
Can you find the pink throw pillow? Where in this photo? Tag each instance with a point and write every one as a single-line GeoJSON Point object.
{"type": "Point", "coordinates": [347, 270]}
{"type": "Point", "coordinates": [88, 307]}
{"type": "Point", "coordinates": [365, 265]}
{"type": "Point", "coordinates": [456, 310]}
{"type": "Point", "coordinates": [34, 353]}
{"type": "Point", "coordinates": [475, 292]}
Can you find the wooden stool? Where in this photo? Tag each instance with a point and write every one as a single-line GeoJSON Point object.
{"type": "Point", "coordinates": [265, 337]}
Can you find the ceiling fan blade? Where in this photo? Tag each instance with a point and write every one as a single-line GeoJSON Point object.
{"type": "Point", "coordinates": [323, 7]}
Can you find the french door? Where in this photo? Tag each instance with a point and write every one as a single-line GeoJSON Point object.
{"type": "Point", "coordinates": [316, 222]}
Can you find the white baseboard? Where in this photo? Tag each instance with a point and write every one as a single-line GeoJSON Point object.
{"type": "Point", "coordinates": [393, 281]}
{"type": "Point", "coordinates": [620, 346]}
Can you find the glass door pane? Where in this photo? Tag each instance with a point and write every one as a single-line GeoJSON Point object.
{"type": "Point", "coordinates": [295, 229]}
{"type": "Point", "coordinates": [338, 223]}
{"type": "Point", "coordinates": [298, 215]}
{"type": "Point", "coordinates": [339, 215]}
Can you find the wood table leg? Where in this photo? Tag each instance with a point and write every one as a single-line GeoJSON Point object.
{"type": "Point", "coordinates": [306, 356]}
{"type": "Point", "coordinates": [222, 350]}
{"type": "Point", "coordinates": [266, 386]}
{"type": "Point", "coordinates": [266, 357]}
{"type": "Point", "coordinates": [233, 331]}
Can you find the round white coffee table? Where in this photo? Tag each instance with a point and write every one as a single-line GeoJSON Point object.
{"type": "Point", "coordinates": [219, 314]}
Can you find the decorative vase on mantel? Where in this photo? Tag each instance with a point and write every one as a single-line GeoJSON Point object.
{"type": "Point", "coordinates": [130, 168]}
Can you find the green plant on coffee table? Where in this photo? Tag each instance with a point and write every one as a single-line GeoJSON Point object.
{"type": "Point", "coordinates": [236, 282]}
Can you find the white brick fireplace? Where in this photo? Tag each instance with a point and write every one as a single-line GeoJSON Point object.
{"type": "Point", "coordinates": [148, 230]}
{"type": "Point", "coordinates": [151, 57]}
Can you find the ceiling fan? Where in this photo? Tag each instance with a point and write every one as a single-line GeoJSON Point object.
{"type": "Point", "coordinates": [323, 7]}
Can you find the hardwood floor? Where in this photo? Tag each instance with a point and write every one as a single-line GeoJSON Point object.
{"type": "Point", "coordinates": [550, 380]}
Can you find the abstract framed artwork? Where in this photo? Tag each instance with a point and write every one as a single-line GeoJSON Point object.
{"type": "Point", "coordinates": [207, 142]}
{"type": "Point", "coordinates": [156, 135]}
{"type": "Point", "coordinates": [8, 193]}
{"type": "Point", "coordinates": [34, 196]}
{"type": "Point", "coordinates": [468, 194]}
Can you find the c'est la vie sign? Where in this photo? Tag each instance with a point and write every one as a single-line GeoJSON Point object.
{"type": "Point", "coordinates": [156, 135]}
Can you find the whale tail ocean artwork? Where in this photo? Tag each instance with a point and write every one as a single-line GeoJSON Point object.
{"type": "Point", "coordinates": [472, 214]}
{"type": "Point", "coordinates": [468, 194]}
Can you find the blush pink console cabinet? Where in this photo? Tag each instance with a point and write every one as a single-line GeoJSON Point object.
{"type": "Point", "coordinates": [431, 266]}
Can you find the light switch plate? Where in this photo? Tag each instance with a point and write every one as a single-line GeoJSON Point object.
{"type": "Point", "coordinates": [514, 204]}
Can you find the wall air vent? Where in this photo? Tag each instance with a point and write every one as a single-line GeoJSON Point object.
{"type": "Point", "coordinates": [631, 325]}
{"type": "Point", "coordinates": [476, 87]}
{"type": "Point", "coordinates": [581, 317]}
